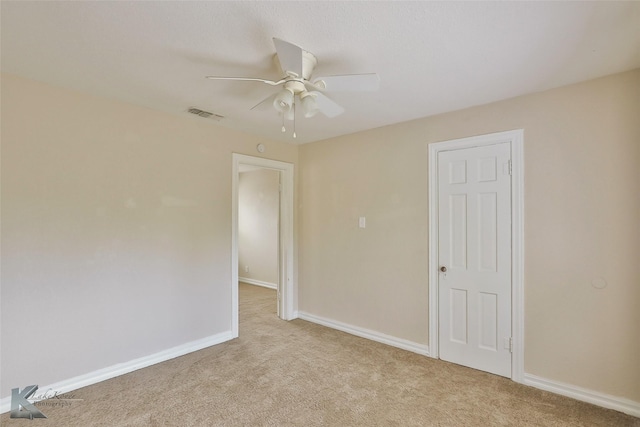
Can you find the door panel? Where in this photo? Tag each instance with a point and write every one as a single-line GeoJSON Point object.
{"type": "Point", "coordinates": [458, 315]}
{"type": "Point", "coordinates": [488, 309]}
{"type": "Point", "coordinates": [487, 232]}
{"type": "Point", "coordinates": [474, 245]}
{"type": "Point", "coordinates": [458, 230]}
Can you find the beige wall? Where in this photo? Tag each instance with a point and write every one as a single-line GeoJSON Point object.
{"type": "Point", "coordinates": [582, 207]}
{"type": "Point", "coordinates": [116, 231]}
{"type": "Point", "coordinates": [258, 218]}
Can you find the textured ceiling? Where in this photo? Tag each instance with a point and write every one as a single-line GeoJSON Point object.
{"type": "Point", "coordinates": [431, 57]}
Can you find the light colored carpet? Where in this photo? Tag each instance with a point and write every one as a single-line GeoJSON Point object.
{"type": "Point", "coordinates": [301, 374]}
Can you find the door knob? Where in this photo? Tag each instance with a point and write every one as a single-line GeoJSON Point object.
{"type": "Point", "coordinates": [443, 269]}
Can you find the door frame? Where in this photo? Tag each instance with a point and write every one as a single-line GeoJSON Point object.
{"type": "Point", "coordinates": [515, 138]}
{"type": "Point", "coordinates": [286, 284]}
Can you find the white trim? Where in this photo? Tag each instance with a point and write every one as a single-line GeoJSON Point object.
{"type": "Point", "coordinates": [517, 255]}
{"type": "Point", "coordinates": [286, 285]}
{"type": "Point", "coordinates": [601, 399]}
{"type": "Point", "coordinates": [94, 377]}
{"type": "Point", "coordinates": [515, 138]}
{"type": "Point", "coordinates": [433, 251]}
{"type": "Point", "coordinates": [258, 283]}
{"type": "Point", "coordinates": [367, 333]}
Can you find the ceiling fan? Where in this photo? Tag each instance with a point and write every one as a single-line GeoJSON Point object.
{"type": "Point", "coordinates": [298, 87]}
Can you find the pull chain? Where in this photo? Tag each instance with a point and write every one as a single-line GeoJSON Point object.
{"type": "Point", "coordinates": [294, 119]}
{"type": "Point", "coordinates": [283, 128]}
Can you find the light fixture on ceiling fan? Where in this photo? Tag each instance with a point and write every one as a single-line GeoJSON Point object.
{"type": "Point", "coordinates": [285, 100]}
{"type": "Point", "coordinates": [297, 87]}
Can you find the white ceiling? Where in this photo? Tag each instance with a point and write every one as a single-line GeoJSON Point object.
{"type": "Point", "coordinates": [431, 57]}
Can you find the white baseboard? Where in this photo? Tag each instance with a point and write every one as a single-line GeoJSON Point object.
{"type": "Point", "coordinates": [601, 399]}
{"type": "Point", "coordinates": [258, 282]}
{"type": "Point", "coordinates": [367, 333]}
{"type": "Point", "coordinates": [94, 377]}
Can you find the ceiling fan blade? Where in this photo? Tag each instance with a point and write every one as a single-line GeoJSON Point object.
{"type": "Point", "coordinates": [290, 56]}
{"type": "Point", "coordinates": [349, 82]}
{"type": "Point", "coordinates": [327, 106]}
{"type": "Point", "coordinates": [247, 79]}
{"type": "Point", "coordinates": [265, 103]}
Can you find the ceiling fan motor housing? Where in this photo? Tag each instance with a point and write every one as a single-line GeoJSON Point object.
{"type": "Point", "coordinates": [295, 86]}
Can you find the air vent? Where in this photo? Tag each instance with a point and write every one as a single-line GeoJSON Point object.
{"type": "Point", "coordinates": [205, 114]}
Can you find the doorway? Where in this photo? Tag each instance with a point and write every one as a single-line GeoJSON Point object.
{"type": "Point", "coordinates": [258, 226]}
{"type": "Point", "coordinates": [284, 285]}
{"type": "Point", "coordinates": [476, 252]}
